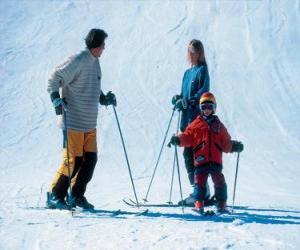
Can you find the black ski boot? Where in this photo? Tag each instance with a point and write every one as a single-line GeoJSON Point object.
{"type": "Point", "coordinates": [222, 207]}
{"type": "Point", "coordinates": [82, 203]}
{"type": "Point", "coordinates": [53, 202]}
{"type": "Point", "coordinates": [211, 201]}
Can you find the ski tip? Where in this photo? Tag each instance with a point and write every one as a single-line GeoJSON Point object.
{"type": "Point", "coordinates": [143, 212]}
{"type": "Point", "coordinates": [127, 202]}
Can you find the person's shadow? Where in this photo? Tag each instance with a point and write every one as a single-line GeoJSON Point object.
{"type": "Point", "coordinates": [241, 215]}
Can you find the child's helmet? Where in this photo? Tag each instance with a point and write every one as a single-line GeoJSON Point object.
{"type": "Point", "coordinates": [208, 97]}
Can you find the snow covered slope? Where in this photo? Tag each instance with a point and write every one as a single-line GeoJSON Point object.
{"type": "Point", "coordinates": [253, 52]}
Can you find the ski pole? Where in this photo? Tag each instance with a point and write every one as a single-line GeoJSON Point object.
{"type": "Point", "coordinates": [126, 156]}
{"type": "Point", "coordinates": [235, 179]}
{"type": "Point", "coordinates": [65, 110]}
{"type": "Point", "coordinates": [161, 149]}
{"type": "Point", "coordinates": [172, 180]}
{"type": "Point", "coordinates": [174, 161]}
{"type": "Point", "coordinates": [178, 171]}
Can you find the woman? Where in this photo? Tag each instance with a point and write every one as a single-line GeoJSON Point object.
{"type": "Point", "coordinates": [194, 83]}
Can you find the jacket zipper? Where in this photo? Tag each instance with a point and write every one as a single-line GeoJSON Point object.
{"type": "Point", "coordinates": [209, 144]}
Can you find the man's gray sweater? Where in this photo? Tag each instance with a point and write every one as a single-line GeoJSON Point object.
{"type": "Point", "coordinates": [79, 82]}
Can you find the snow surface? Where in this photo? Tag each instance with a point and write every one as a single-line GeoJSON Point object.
{"type": "Point", "coordinates": [253, 52]}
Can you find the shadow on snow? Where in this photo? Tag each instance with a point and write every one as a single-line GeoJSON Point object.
{"type": "Point", "coordinates": [243, 216]}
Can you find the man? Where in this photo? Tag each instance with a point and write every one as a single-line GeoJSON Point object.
{"type": "Point", "coordinates": [75, 88]}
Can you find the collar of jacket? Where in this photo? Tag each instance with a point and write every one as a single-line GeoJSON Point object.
{"type": "Point", "coordinates": [90, 55]}
{"type": "Point", "coordinates": [209, 119]}
{"type": "Point", "coordinates": [198, 65]}
{"type": "Point", "coordinates": [213, 122]}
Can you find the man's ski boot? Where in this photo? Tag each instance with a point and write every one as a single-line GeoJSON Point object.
{"type": "Point", "coordinates": [81, 202]}
{"type": "Point", "coordinates": [54, 202]}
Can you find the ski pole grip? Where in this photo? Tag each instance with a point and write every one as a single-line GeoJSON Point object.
{"type": "Point", "coordinates": [64, 104]}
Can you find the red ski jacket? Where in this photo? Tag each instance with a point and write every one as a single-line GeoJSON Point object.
{"type": "Point", "coordinates": [209, 141]}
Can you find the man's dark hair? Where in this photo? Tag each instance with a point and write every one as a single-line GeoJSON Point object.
{"type": "Point", "coordinates": [95, 38]}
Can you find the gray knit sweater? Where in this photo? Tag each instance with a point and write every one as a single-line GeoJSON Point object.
{"type": "Point", "coordinates": [79, 82]}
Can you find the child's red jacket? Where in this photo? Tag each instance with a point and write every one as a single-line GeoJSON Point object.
{"type": "Point", "coordinates": [209, 141]}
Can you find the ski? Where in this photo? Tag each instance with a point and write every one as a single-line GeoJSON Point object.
{"type": "Point", "coordinates": [211, 213]}
{"type": "Point", "coordinates": [207, 213]}
{"type": "Point", "coordinates": [115, 212]}
{"type": "Point", "coordinates": [99, 211]}
{"type": "Point", "coordinates": [227, 212]}
{"type": "Point", "coordinates": [51, 209]}
{"type": "Point", "coordinates": [95, 211]}
{"type": "Point", "coordinates": [132, 203]}
{"type": "Point", "coordinates": [142, 212]}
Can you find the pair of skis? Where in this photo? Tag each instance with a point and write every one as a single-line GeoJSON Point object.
{"type": "Point", "coordinates": [132, 203]}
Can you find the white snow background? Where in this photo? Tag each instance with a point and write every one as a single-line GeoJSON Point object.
{"type": "Point", "coordinates": [253, 53]}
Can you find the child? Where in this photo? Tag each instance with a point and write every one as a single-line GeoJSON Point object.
{"type": "Point", "coordinates": [209, 139]}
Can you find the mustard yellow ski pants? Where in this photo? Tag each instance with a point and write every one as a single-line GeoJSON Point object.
{"type": "Point", "coordinates": [82, 161]}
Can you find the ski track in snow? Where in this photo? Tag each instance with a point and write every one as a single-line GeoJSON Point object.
{"type": "Point", "coordinates": [251, 48]}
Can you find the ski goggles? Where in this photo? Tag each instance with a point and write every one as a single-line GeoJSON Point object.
{"type": "Point", "coordinates": [208, 106]}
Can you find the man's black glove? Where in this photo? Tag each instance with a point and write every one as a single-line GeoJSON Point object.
{"type": "Point", "coordinates": [237, 146]}
{"type": "Point", "coordinates": [108, 99]}
{"type": "Point", "coordinates": [57, 102]}
{"type": "Point", "coordinates": [174, 141]}
{"type": "Point", "coordinates": [111, 98]}
{"type": "Point", "coordinates": [175, 98]}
